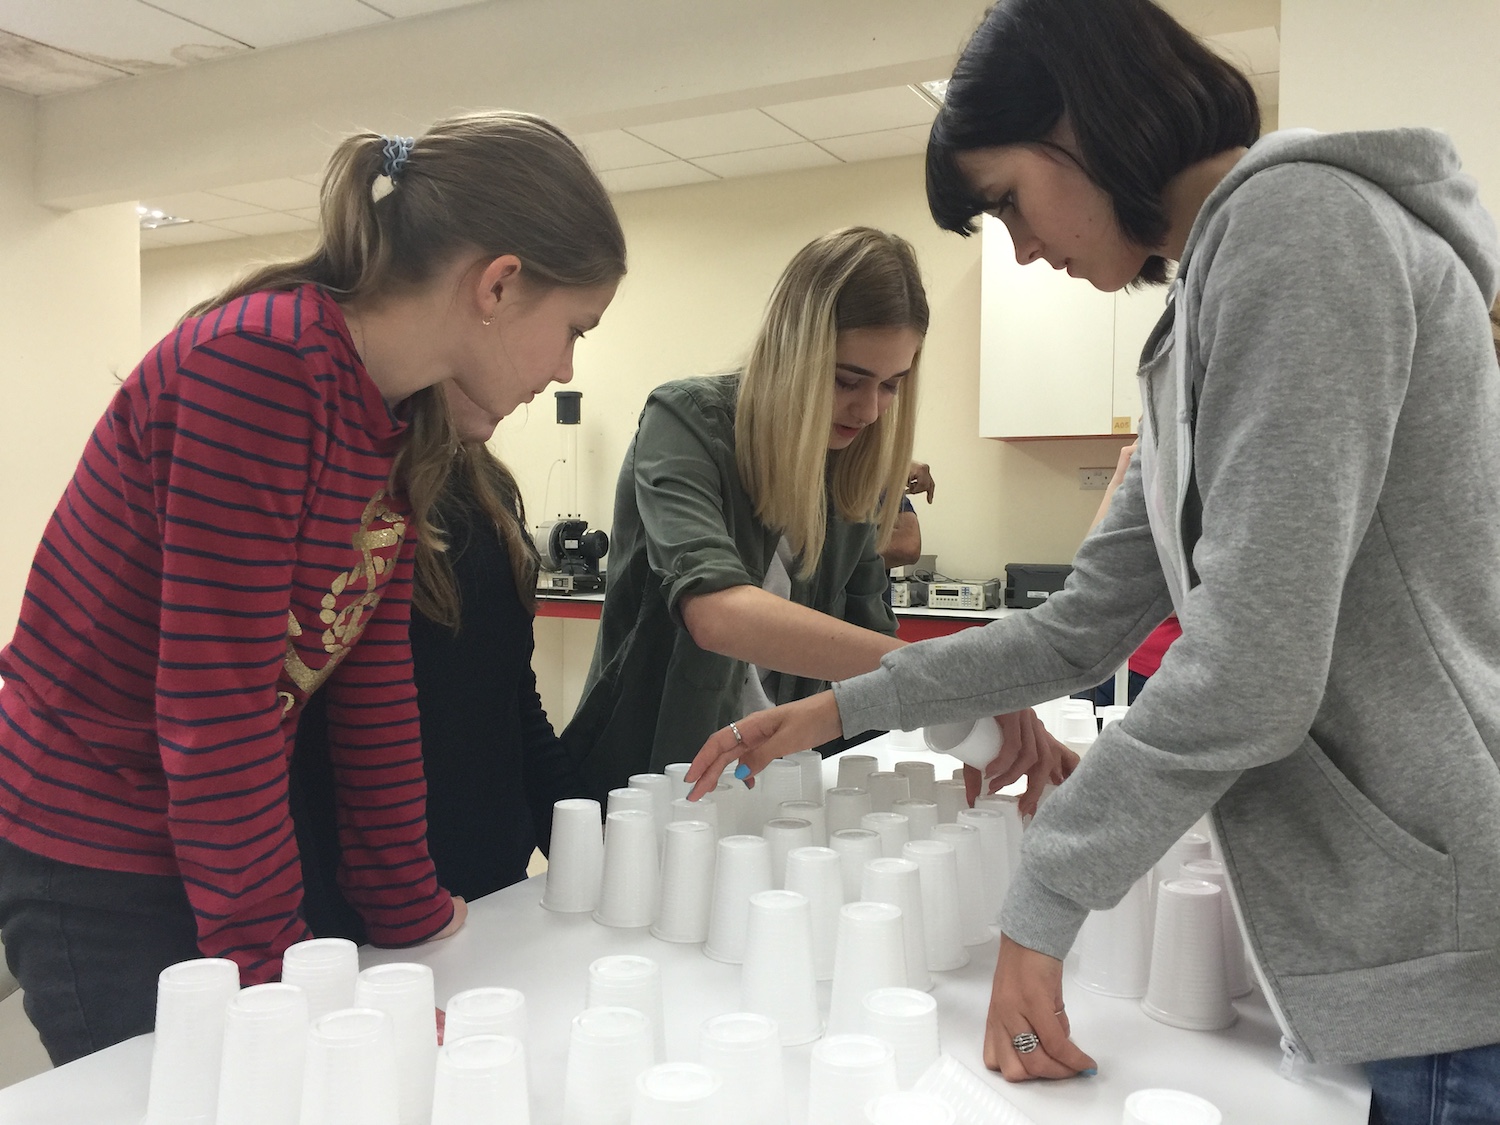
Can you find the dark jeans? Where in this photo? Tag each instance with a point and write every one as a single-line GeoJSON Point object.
{"type": "Point", "coordinates": [1457, 1088]}
{"type": "Point", "coordinates": [87, 946]}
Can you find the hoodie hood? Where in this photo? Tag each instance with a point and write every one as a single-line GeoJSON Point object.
{"type": "Point", "coordinates": [1418, 168]}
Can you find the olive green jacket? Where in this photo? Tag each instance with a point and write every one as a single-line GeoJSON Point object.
{"type": "Point", "coordinates": [684, 525]}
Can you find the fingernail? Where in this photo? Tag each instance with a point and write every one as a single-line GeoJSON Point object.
{"type": "Point", "coordinates": [1089, 1073]}
{"type": "Point", "coordinates": [742, 771]}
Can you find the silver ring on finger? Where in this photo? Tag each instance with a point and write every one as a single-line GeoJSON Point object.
{"type": "Point", "coordinates": [735, 730]}
{"type": "Point", "coordinates": [1025, 1043]}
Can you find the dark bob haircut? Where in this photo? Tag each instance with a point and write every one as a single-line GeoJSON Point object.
{"type": "Point", "coordinates": [1145, 99]}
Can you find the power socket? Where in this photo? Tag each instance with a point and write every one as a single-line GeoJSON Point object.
{"type": "Point", "coordinates": [1094, 480]}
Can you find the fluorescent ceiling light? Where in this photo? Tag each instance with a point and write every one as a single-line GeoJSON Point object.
{"type": "Point", "coordinates": [933, 91]}
{"type": "Point", "coordinates": [152, 217]}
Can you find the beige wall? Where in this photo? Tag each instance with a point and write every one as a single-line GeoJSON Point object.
{"type": "Point", "coordinates": [70, 320]}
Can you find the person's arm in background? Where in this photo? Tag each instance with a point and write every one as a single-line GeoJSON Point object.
{"type": "Point", "coordinates": [905, 546]}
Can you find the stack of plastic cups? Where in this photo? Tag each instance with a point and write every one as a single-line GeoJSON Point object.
{"type": "Point", "coordinates": [743, 868]}
{"type": "Point", "coordinates": [871, 954]}
{"type": "Point", "coordinates": [856, 847]}
{"type": "Point", "coordinates": [1191, 846]}
{"type": "Point", "coordinates": [785, 834]}
{"type": "Point", "coordinates": [575, 861]}
{"type": "Point", "coordinates": [485, 1011]}
{"type": "Point", "coordinates": [778, 979]}
{"type": "Point", "coordinates": [350, 1077]}
{"type": "Point", "coordinates": [812, 812]}
{"type": "Point", "coordinates": [898, 882]}
{"type": "Point", "coordinates": [938, 865]}
{"type": "Point", "coordinates": [812, 774]}
{"type": "Point", "coordinates": [1188, 986]}
{"type": "Point", "coordinates": [1114, 946]}
{"type": "Point", "coordinates": [908, 1108]}
{"type": "Point", "coordinates": [847, 1072]}
{"type": "Point", "coordinates": [855, 769]}
{"type": "Point", "coordinates": [404, 992]}
{"type": "Point", "coordinates": [1111, 714]}
{"type": "Point", "coordinates": [892, 828]}
{"type": "Point", "coordinates": [951, 798]}
{"type": "Point", "coordinates": [921, 816]}
{"type": "Point", "coordinates": [628, 886]}
{"type": "Point", "coordinates": [265, 1043]}
{"type": "Point", "coordinates": [1009, 808]}
{"type": "Point", "coordinates": [1169, 1107]}
{"type": "Point", "coordinates": [706, 809]}
{"type": "Point", "coordinates": [677, 1094]}
{"type": "Point", "coordinates": [624, 980]}
{"type": "Point", "coordinates": [191, 1000]}
{"type": "Point", "coordinates": [607, 1049]}
{"type": "Point", "coordinates": [730, 795]}
{"type": "Point", "coordinates": [1236, 968]}
{"type": "Point", "coordinates": [971, 902]}
{"type": "Point", "coordinates": [687, 882]}
{"type": "Point", "coordinates": [782, 781]}
{"type": "Point", "coordinates": [886, 788]}
{"type": "Point", "coordinates": [817, 875]}
{"type": "Point", "coordinates": [677, 774]}
{"type": "Point", "coordinates": [906, 1019]}
{"type": "Point", "coordinates": [845, 808]}
{"type": "Point", "coordinates": [744, 1049]}
{"type": "Point", "coordinates": [659, 785]}
{"type": "Point", "coordinates": [481, 1080]}
{"type": "Point", "coordinates": [324, 969]}
{"type": "Point", "coordinates": [994, 857]}
{"type": "Point", "coordinates": [920, 777]}
{"type": "Point", "coordinates": [1078, 728]}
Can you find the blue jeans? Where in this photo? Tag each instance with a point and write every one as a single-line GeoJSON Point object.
{"type": "Point", "coordinates": [1457, 1088]}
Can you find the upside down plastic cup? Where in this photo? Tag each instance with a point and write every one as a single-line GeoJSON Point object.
{"type": "Point", "coordinates": [575, 860]}
{"type": "Point", "coordinates": [608, 1048]}
{"type": "Point", "coordinates": [676, 1093]}
{"type": "Point", "coordinates": [325, 970]}
{"type": "Point", "coordinates": [1188, 987]}
{"type": "Point", "coordinates": [785, 834]}
{"type": "Point", "coordinates": [631, 797]}
{"type": "Point", "coordinates": [973, 1100]}
{"type": "Point", "coordinates": [625, 980]}
{"type": "Point", "coordinates": [971, 903]}
{"type": "Point", "coordinates": [778, 979]}
{"type": "Point", "coordinates": [730, 795]}
{"type": "Point", "coordinates": [744, 1050]}
{"type": "Point", "coordinates": [937, 863]}
{"type": "Point", "coordinates": [907, 1020]}
{"type": "Point", "coordinates": [485, 1011]}
{"type": "Point", "coordinates": [856, 847]}
{"type": "Point", "coordinates": [629, 883]}
{"type": "Point", "coordinates": [677, 773]}
{"type": "Point", "coordinates": [1236, 969]}
{"type": "Point", "coordinates": [886, 788]}
{"type": "Point", "coordinates": [350, 1076]}
{"type": "Point", "coordinates": [1169, 1107]}
{"type": "Point", "coordinates": [920, 777]}
{"type": "Point", "coordinates": [1114, 946]}
{"type": "Point", "coordinates": [817, 875]}
{"type": "Point", "coordinates": [687, 882]}
{"type": "Point", "coordinates": [705, 809]}
{"type": "Point", "coordinates": [404, 992]}
{"type": "Point", "coordinates": [265, 1044]}
{"type": "Point", "coordinates": [870, 954]}
{"type": "Point", "coordinates": [659, 785]}
{"type": "Point", "coordinates": [845, 807]}
{"type": "Point", "coordinates": [994, 857]}
{"type": "Point", "coordinates": [743, 868]}
{"type": "Point", "coordinates": [893, 829]}
{"type": "Point", "coordinates": [1190, 846]}
{"type": "Point", "coordinates": [812, 774]}
{"type": "Point", "coordinates": [854, 769]}
{"type": "Point", "coordinates": [481, 1080]}
{"type": "Point", "coordinates": [951, 799]}
{"type": "Point", "coordinates": [974, 744]}
{"type": "Point", "coordinates": [898, 882]}
{"type": "Point", "coordinates": [908, 1107]}
{"type": "Point", "coordinates": [1009, 808]}
{"type": "Point", "coordinates": [191, 1000]}
{"type": "Point", "coordinates": [812, 812]}
{"type": "Point", "coordinates": [921, 817]}
{"type": "Point", "coordinates": [847, 1072]}
{"type": "Point", "coordinates": [781, 780]}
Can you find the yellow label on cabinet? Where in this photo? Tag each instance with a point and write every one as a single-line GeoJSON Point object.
{"type": "Point", "coordinates": [1122, 425]}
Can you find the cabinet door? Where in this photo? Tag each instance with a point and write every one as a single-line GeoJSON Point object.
{"type": "Point", "coordinates": [1046, 346]}
{"type": "Point", "coordinates": [1136, 314]}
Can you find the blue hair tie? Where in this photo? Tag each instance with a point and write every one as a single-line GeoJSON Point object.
{"type": "Point", "coordinates": [397, 152]}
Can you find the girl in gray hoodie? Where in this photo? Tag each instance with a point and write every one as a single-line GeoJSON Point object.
{"type": "Point", "coordinates": [1317, 496]}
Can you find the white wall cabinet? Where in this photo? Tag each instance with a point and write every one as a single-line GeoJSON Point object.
{"type": "Point", "coordinates": [1057, 358]}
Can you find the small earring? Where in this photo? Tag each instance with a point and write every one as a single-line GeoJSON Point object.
{"type": "Point", "coordinates": [486, 321]}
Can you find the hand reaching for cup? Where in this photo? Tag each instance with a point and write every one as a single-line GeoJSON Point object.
{"type": "Point", "coordinates": [755, 740]}
{"type": "Point", "coordinates": [1026, 749]}
{"type": "Point", "coordinates": [1026, 1033]}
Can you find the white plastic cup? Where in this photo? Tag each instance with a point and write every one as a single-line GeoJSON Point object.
{"type": "Point", "coordinates": [920, 776]}
{"type": "Point", "coordinates": [1009, 807]}
{"type": "Point", "coordinates": [781, 780]}
{"type": "Point", "coordinates": [324, 969]}
{"type": "Point", "coordinates": [404, 992]}
{"type": "Point", "coordinates": [485, 1011]}
{"type": "Point", "coordinates": [898, 882]}
{"type": "Point", "coordinates": [812, 812]}
{"type": "Point", "coordinates": [1191, 846]}
{"type": "Point", "coordinates": [676, 1093]}
{"type": "Point", "coordinates": [1236, 968]}
{"type": "Point", "coordinates": [1169, 1107]}
{"type": "Point", "coordinates": [706, 809]}
{"type": "Point", "coordinates": [730, 795]}
{"type": "Point", "coordinates": [856, 847]}
{"type": "Point", "coordinates": [687, 882]}
{"type": "Point", "coordinates": [629, 884]}
{"type": "Point", "coordinates": [1188, 987]}
{"type": "Point", "coordinates": [909, 1107]}
{"type": "Point", "coordinates": [812, 774]}
{"type": "Point", "coordinates": [871, 954]}
{"type": "Point", "coordinates": [974, 744]}
{"type": "Point", "coordinates": [742, 868]}
{"type": "Point", "coordinates": [744, 1050]}
{"type": "Point", "coordinates": [951, 798]}
{"type": "Point", "coordinates": [778, 979]}
{"type": "Point", "coordinates": [886, 788]}
{"type": "Point", "coordinates": [625, 980]}
{"type": "Point", "coordinates": [847, 1072]}
{"type": "Point", "coordinates": [1111, 714]}
{"type": "Point", "coordinates": [350, 1076]}
{"type": "Point", "coordinates": [608, 1048]}
{"type": "Point", "coordinates": [481, 1080]}
{"type": "Point", "coordinates": [575, 860]}
{"type": "Point", "coordinates": [893, 829]}
{"type": "Point", "coordinates": [906, 1018]}
{"type": "Point", "coordinates": [973, 1100]}
{"type": "Point", "coordinates": [191, 1000]}
{"type": "Point", "coordinates": [630, 797]}
{"type": "Point", "coordinates": [265, 1045]}
{"type": "Point", "coordinates": [845, 807]}
{"type": "Point", "coordinates": [921, 817]}
{"type": "Point", "coordinates": [971, 900]}
{"type": "Point", "coordinates": [941, 921]}
{"type": "Point", "coordinates": [1114, 946]}
{"type": "Point", "coordinates": [855, 769]}
{"type": "Point", "coordinates": [659, 785]}
{"type": "Point", "coordinates": [677, 773]}
{"type": "Point", "coordinates": [994, 857]}
{"type": "Point", "coordinates": [817, 875]}
{"type": "Point", "coordinates": [785, 834]}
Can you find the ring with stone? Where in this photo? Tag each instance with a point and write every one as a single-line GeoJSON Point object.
{"type": "Point", "coordinates": [1025, 1043]}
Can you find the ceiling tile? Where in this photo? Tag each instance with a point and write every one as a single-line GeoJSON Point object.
{"type": "Point", "coordinates": [400, 9]}
{"type": "Point", "coordinates": [615, 148]}
{"type": "Point", "coordinates": [1257, 51]}
{"type": "Point", "coordinates": [271, 223]}
{"type": "Point", "coordinates": [877, 146]}
{"type": "Point", "coordinates": [783, 158]}
{"type": "Point", "coordinates": [265, 23]}
{"type": "Point", "coordinates": [34, 68]}
{"type": "Point", "coordinates": [309, 213]}
{"type": "Point", "coordinates": [717, 133]}
{"type": "Point", "coordinates": [275, 195]}
{"type": "Point", "coordinates": [184, 235]}
{"type": "Point", "coordinates": [1267, 87]}
{"type": "Point", "coordinates": [123, 34]}
{"type": "Point", "coordinates": [647, 176]}
{"type": "Point", "coordinates": [202, 206]}
{"type": "Point", "coordinates": [864, 112]}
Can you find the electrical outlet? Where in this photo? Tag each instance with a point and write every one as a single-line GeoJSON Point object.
{"type": "Point", "coordinates": [1094, 480]}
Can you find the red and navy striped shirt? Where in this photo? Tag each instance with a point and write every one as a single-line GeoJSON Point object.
{"type": "Point", "coordinates": [226, 547]}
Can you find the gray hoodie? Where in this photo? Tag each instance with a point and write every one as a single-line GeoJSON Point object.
{"type": "Point", "coordinates": [1326, 505]}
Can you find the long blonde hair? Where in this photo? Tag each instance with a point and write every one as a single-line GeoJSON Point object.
{"type": "Point", "coordinates": [490, 183]}
{"type": "Point", "coordinates": [857, 277]}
